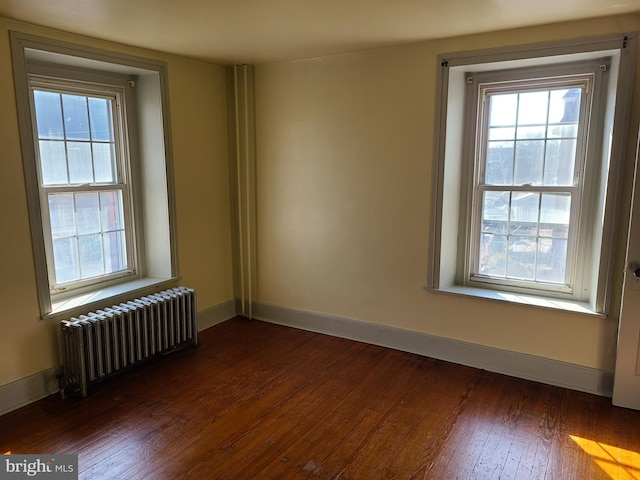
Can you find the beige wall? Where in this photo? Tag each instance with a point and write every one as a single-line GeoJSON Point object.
{"type": "Point", "coordinates": [198, 116]}
{"type": "Point", "coordinates": [344, 162]}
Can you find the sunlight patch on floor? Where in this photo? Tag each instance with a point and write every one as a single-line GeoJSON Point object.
{"type": "Point", "coordinates": [618, 463]}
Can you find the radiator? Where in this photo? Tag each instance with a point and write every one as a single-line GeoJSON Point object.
{"type": "Point", "coordinates": [102, 343]}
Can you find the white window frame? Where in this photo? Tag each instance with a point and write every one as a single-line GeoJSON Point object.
{"type": "Point", "coordinates": [588, 76]}
{"type": "Point", "coordinates": [112, 88]}
{"type": "Point", "coordinates": [450, 244]}
{"type": "Point", "coordinates": [155, 264]}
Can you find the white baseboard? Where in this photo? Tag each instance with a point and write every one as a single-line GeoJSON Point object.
{"type": "Point", "coordinates": [215, 315]}
{"type": "Point", "coordinates": [28, 389]}
{"type": "Point", "coordinates": [521, 365]}
{"type": "Point", "coordinates": [42, 384]}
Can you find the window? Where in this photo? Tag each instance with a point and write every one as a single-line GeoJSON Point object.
{"type": "Point", "coordinates": [530, 161]}
{"type": "Point", "coordinates": [83, 176]}
{"type": "Point", "coordinates": [94, 130]}
{"type": "Point", "coordinates": [529, 148]}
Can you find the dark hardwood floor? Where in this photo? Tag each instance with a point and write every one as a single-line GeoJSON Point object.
{"type": "Point", "coordinates": [256, 400]}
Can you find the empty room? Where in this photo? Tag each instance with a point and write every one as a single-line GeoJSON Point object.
{"type": "Point", "coordinates": [301, 239]}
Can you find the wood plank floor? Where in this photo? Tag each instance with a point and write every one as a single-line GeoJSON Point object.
{"type": "Point", "coordinates": [256, 400]}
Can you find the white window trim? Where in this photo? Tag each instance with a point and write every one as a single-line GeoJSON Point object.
{"type": "Point", "coordinates": [156, 206]}
{"type": "Point", "coordinates": [444, 269]}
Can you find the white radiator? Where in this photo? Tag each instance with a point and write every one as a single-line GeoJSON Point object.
{"type": "Point", "coordinates": [104, 342]}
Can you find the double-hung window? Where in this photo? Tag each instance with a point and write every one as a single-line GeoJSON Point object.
{"type": "Point", "coordinates": [84, 180]}
{"type": "Point", "coordinates": [530, 146]}
{"type": "Point", "coordinates": [530, 157]}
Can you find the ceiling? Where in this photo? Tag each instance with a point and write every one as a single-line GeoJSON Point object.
{"type": "Point", "coordinates": [263, 31]}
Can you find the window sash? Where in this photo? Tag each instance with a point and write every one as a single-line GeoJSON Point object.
{"type": "Point", "coordinates": [510, 232]}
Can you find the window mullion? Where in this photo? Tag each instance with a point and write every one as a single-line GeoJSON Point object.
{"type": "Point", "coordinates": [537, 249]}
{"type": "Point", "coordinates": [508, 232]}
{"type": "Point", "coordinates": [64, 137]}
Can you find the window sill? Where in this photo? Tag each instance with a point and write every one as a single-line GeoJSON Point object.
{"type": "Point", "coordinates": [523, 299]}
{"type": "Point", "coordinates": [101, 298]}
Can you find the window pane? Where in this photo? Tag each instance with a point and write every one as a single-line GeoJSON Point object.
{"type": "Point", "coordinates": [563, 130]}
{"type": "Point", "coordinates": [87, 212]}
{"type": "Point", "coordinates": [524, 213]}
{"type": "Point", "coordinates": [80, 168]}
{"type": "Point", "coordinates": [48, 115]}
{"type": "Point", "coordinates": [493, 255]}
{"type": "Point", "coordinates": [532, 108]}
{"type": "Point", "coordinates": [76, 118]}
{"type": "Point", "coordinates": [537, 131]}
{"type": "Point", "coordinates": [521, 257]}
{"type": "Point", "coordinates": [100, 115]}
{"type": "Point", "coordinates": [115, 252]}
{"type": "Point", "coordinates": [53, 163]}
{"type": "Point", "coordinates": [104, 162]}
{"type": "Point", "coordinates": [552, 259]}
{"type": "Point", "coordinates": [90, 252]}
{"type": "Point", "coordinates": [503, 109]}
{"type": "Point", "coordinates": [62, 215]}
{"type": "Point", "coordinates": [65, 256]}
{"type": "Point", "coordinates": [111, 210]}
{"type": "Point", "coordinates": [499, 167]}
{"type": "Point", "coordinates": [565, 105]}
{"type": "Point", "coordinates": [502, 133]}
{"type": "Point", "coordinates": [555, 214]}
{"type": "Point", "coordinates": [495, 212]}
{"type": "Point", "coordinates": [529, 162]}
{"type": "Point", "coordinates": [560, 162]}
